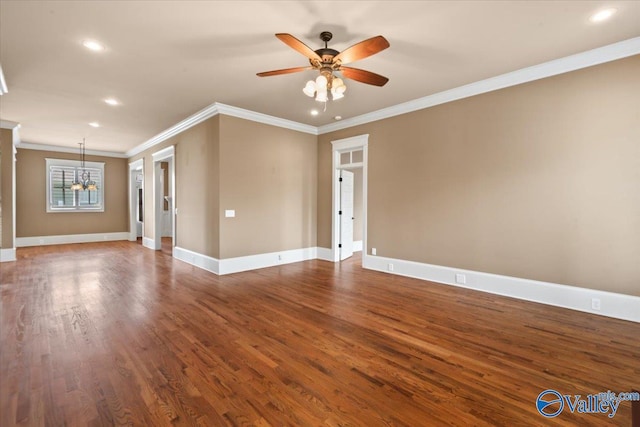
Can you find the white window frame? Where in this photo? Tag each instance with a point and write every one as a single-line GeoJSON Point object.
{"type": "Point", "coordinates": [74, 164]}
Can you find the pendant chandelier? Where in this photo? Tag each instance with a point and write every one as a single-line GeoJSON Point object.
{"type": "Point", "coordinates": [83, 180]}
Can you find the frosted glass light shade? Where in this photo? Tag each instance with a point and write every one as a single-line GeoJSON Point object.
{"type": "Point", "coordinates": [310, 89]}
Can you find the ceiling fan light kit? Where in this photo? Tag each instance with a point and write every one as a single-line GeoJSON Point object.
{"type": "Point", "coordinates": [327, 61]}
{"type": "Point", "coordinates": [323, 84]}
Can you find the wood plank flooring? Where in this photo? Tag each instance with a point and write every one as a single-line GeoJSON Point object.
{"type": "Point", "coordinates": [115, 334]}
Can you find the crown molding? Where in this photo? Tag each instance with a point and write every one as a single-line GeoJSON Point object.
{"type": "Point", "coordinates": [585, 59]}
{"type": "Point", "coordinates": [58, 149]}
{"type": "Point", "coordinates": [266, 119]}
{"type": "Point", "coordinates": [15, 128]}
{"type": "Point", "coordinates": [7, 124]}
{"type": "Point", "coordinates": [218, 108]}
{"type": "Point", "coordinates": [185, 124]}
{"type": "Point", "coordinates": [578, 61]}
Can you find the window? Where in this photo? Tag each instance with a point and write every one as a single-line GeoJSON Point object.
{"type": "Point", "coordinates": [61, 198]}
{"type": "Point", "coordinates": [351, 158]}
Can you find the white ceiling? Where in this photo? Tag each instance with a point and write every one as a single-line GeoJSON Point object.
{"type": "Point", "coordinates": [165, 60]}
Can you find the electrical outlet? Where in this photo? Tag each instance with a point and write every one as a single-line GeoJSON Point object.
{"type": "Point", "coordinates": [595, 304]}
{"type": "Point", "coordinates": [390, 267]}
{"type": "Point", "coordinates": [461, 278]}
{"type": "Point", "coordinates": [373, 251]}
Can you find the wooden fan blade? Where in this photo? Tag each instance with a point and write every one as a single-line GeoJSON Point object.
{"type": "Point", "coordinates": [296, 44]}
{"type": "Point", "coordinates": [363, 76]}
{"type": "Point", "coordinates": [284, 71]}
{"type": "Point", "coordinates": [362, 50]}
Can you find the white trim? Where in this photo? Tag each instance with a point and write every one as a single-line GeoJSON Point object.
{"type": "Point", "coordinates": [578, 61]}
{"type": "Point", "coordinates": [614, 305]}
{"type": "Point", "coordinates": [136, 165]}
{"type": "Point", "coordinates": [22, 242]}
{"type": "Point", "coordinates": [338, 146]}
{"type": "Point", "coordinates": [179, 127]}
{"type": "Point", "coordinates": [163, 154]}
{"type": "Point", "coordinates": [201, 261]}
{"type": "Point", "coordinates": [244, 263]}
{"type": "Point", "coordinates": [253, 262]}
{"type": "Point", "coordinates": [14, 168]}
{"type": "Point", "coordinates": [574, 62]}
{"type": "Point", "coordinates": [253, 116]}
{"type": "Point", "coordinates": [212, 110]}
{"type": "Point", "coordinates": [8, 124]}
{"type": "Point", "coordinates": [133, 207]}
{"type": "Point", "coordinates": [325, 254]}
{"type": "Point", "coordinates": [351, 143]}
{"type": "Point", "coordinates": [3, 83]}
{"type": "Point", "coordinates": [57, 149]}
{"type": "Point", "coordinates": [148, 243]}
{"type": "Point", "coordinates": [357, 245]}
{"type": "Point", "coordinates": [7, 254]}
{"type": "Point", "coordinates": [166, 154]}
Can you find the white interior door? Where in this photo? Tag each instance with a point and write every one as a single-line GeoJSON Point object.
{"type": "Point", "coordinates": [346, 214]}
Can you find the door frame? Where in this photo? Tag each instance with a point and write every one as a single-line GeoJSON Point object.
{"type": "Point", "coordinates": [166, 154]}
{"type": "Point", "coordinates": [360, 142]}
{"type": "Point", "coordinates": [344, 217]}
{"type": "Point", "coordinates": [134, 168]}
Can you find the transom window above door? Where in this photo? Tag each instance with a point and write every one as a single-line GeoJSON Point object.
{"type": "Point", "coordinates": [351, 158]}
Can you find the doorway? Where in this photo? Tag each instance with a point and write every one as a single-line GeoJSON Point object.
{"type": "Point", "coordinates": [136, 200]}
{"type": "Point", "coordinates": [164, 200]}
{"type": "Point", "coordinates": [346, 214]}
{"type": "Point", "coordinates": [349, 205]}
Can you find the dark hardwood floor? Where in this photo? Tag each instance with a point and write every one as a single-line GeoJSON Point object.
{"type": "Point", "coordinates": [116, 334]}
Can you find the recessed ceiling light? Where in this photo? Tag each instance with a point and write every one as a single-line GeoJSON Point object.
{"type": "Point", "coordinates": [603, 15]}
{"type": "Point", "coordinates": [94, 124]}
{"type": "Point", "coordinates": [337, 118]}
{"type": "Point", "coordinates": [314, 112]}
{"type": "Point", "coordinates": [93, 45]}
{"type": "Point", "coordinates": [112, 101]}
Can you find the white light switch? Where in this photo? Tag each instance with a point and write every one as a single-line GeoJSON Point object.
{"type": "Point", "coordinates": [230, 213]}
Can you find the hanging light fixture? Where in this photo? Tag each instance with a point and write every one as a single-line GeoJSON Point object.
{"type": "Point", "coordinates": [326, 82]}
{"type": "Point", "coordinates": [83, 181]}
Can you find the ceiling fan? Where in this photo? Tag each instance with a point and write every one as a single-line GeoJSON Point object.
{"type": "Point", "coordinates": [327, 61]}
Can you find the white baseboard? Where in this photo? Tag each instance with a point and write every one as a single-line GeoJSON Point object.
{"type": "Point", "coordinates": [252, 262]}
{"type": "Point", "coordinates": [357, 245]}
{"type": "Point", "coordinates": [148, 243]}
{"type": "Point", "coordinates": [325, 254]}
{"type": "Point", "coordinates": [22, 242]}
{"type": "Point", "coordinates": [202, 261]}
{"type": "Point", "coordinates": [619, 306]}
{"type": "Point", "coordinates": [245, 263]}
{"type": "Point", "coordinates": [7, 254]}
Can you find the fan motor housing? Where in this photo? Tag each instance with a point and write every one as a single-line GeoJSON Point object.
{"type": "Point", "coordinates": [327, 54]}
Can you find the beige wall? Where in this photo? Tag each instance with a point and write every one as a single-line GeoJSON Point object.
{"type": "Point", "coordinates": [196, 160]}
{"type": "Point", "coordinates": [536, 181]}
{"type": "Point", "coordinates": [268, 176]}
{"type": "Point", "coordinates": [197, 189]}
{"type": "Point", "coordinates": [32, 218]}
{"type": "Point", "coordinates": [6, 187]}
